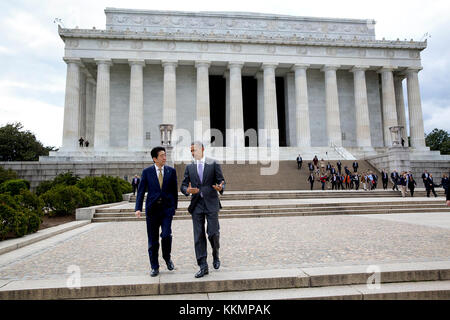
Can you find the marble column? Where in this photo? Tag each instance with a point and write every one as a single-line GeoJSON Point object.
{"type": "Point", "coordinates": [82, 109]}
{"type": "Point", "coordinates": [203, 94]}
{"type": "Point", "coordinates": [389, 108]}
{"type": "Point", "coordinates": [236, 138]}
{"type": "Point", "coordinates": [363, 138]}
{"type": "Point", "coordinates": [90, 110]}
{"type": "Point", "coordinates": [136, 111]}
{"type": "Point", "coordinates": [71, 105]}
{"type": "Point", "coordinates": [226, 75]}
{"type": "Point", "coordinates": [332, 105]}
{"type": "Point", "coordinates": [102, 106]}
{"type": "Point", "coordinates": [170, 93]}
{"type": "Point", "coordinates": [416, 128]}
{"type": "Point", "coordinates": [302, 106]}
{"type": "Point", "coordinates": [270, 103]}
{"type": "Point", "coordinates": [260, 104]}
{"type": "Point", "coordinates": [400, 105]}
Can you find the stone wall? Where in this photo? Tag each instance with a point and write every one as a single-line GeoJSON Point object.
{"type": "Point", "coordinates": [36, 172]}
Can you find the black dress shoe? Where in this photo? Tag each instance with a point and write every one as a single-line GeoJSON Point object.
{"type": "Point", "coordinates": [154, 272]}
{"type": "Point", "coordinates": [216, 264]}
{"type": "Point", "coordinates": [170, 265]}
{"type": "Point", "coordinates": [201, 273]}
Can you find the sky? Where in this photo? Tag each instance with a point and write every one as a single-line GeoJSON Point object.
{"type": "Point", "coordinates": [33, 74]}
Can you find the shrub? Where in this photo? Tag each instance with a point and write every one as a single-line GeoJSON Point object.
{"type": "Point", "coordinates": [34, 205]}
{"type": "Point", "coordinates": [7, 174]}
{"type": "Point", "coordinates": [7, 219]}
{"type": "Point", "coordinates": [44, 186]}
{"type": "Point", "coordinates": [19, 215]}
{"type": "Point", "coordinates": [65, 179]}
{"type": "Point", "coordinates": [100, 184]}
{"type": "Point", "coordinates": [14, 186]}
{"type": "Point", "coordinates": [95, 197]}
{"type": "Point", "coordinates": [64, 200]}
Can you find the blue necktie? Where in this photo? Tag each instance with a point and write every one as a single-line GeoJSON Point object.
{"type": "Point", "coordinates": [200, 171]}
{"type": "Point", "coordinates": [200, 175]}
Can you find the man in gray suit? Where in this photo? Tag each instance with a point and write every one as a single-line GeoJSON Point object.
{"type": "Point", "coordinates": [203, 180]}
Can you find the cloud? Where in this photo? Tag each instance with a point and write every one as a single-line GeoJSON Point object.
{"type": "Point", "coordinates": [43, 119]}
{"type": "Point", "coordinates": [436, 115]}
{"type": "Point", "coordinates": [32, 77]}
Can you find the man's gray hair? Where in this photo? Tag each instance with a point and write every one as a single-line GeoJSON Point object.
{"type": "Point", "coordinates": [197, 143]}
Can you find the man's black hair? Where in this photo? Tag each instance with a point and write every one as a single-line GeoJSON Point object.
{"type": "Point", "coordinates": [156, 150]}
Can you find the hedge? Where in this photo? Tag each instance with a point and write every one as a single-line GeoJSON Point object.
{"type": "Point", "coordinates": [20, 214]}
{"type": "Point", "coordinates": [64, 200]}
{"type": "Point", "coordinates": [14, 187]}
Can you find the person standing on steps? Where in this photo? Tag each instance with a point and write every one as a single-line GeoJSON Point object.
{"type": "Point", "coordinates": [160, 182]}
{"type": "Point", "coordinates": [135, 183]}
{"type": "Point", "coordinates": [299, 162]}
{"type": "Point", "coordinates": [411, 185]}
{"type": "Point", "coordinates": [384, 179]}
{"type": "Point", "coordinates": [311, 179]}
{"type": "Point", "coordinates": [203, 180]}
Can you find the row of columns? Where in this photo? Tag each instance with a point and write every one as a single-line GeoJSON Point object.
{"type": "Point", "coordinates": [82, 117]}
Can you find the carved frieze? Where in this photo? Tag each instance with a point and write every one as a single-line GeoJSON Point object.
{"type": "Point", "coordinates": [103, 44]}
{"type": "Point", "coordinates": [238, 25]}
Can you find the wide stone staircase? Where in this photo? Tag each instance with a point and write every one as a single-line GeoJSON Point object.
{"type": "Point", "coordinates": [295, 203]}
{"type": "Point", "coordinates": [257, 177]}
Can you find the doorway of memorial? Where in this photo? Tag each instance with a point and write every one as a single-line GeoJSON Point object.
{"type": "Point", "coordinates": [281, 111]}
{"type": "Point", "coordinates": [217, 108]}
{"type": "Point", "coordinates": [250, 106]}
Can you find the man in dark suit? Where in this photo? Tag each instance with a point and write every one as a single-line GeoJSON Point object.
{"type": "Point", "coordinates": [299, 162]}
{"type": "Point", "coordinates": [160, 182]}
{"type": "Point", "coordinates": [339, 165]}
{"type": "Point", "coordinates": [355, 166]}
{"type": "Point", "coordinates": [135, 183]}
{"type": "Point", "coordinates": [311, 180]}
{"type": "Point", "coordinates": [430, 185]}
{"type": "Point", "coordinates": [395, 177]}
{"type": "Point", "coordinates": [425, 176]}
{"type": "Point", "coordinates": [384, 179]}
{"type": "Point", "coordinates": [203, 180]}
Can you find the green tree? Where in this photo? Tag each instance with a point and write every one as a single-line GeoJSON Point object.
{"type": "Point", "coordinates": [438, 139]}
{"type": "Point", "coordinates": [6, 175]}
{"type": "Point", "coordinates": [445, 147]}
{"type": "Point", "coordinates": [17, 144]}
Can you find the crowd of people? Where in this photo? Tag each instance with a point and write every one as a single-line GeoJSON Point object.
{"type": "Point", "coordinates": [342, 178]}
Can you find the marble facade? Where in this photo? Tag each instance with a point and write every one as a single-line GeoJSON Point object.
{"type": "Point", "coordinates": [343, 89]}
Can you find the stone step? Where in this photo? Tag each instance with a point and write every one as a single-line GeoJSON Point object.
{"type": "Point", "coordinates": [287, 208]}
{"type": "Point", "coordinates": [300, 205]}
{"type": "Point", "coordinates": [312, 195]}
{"type": "Point", "coordinates": [185, 215]}
{"type": "Point", "coordinates": [431, 280]}
{"type": "Point", "coordinates": [424, 290]}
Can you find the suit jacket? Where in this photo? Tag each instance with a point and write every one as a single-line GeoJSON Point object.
{"type": "Point", "coordinates": [137, 182]}
{"type": "Point", "coordinates": [150, 183]}
{"type": "Point", "coordinates": [212, 174]}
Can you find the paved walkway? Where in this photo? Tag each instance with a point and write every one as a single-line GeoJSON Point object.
{"type": "Point", "coordinates": [120, 249]}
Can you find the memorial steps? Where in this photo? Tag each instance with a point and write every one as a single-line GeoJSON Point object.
{"type": "Point", "coordinates": [282, 175]}
{"type": "Point", "coordinates": [254, 208]}
{"type": "Point", "coordinates": [425, 280]}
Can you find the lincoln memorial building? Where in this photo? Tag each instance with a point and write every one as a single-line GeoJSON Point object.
{"type": "Point", "coordinates": [324, 86]}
